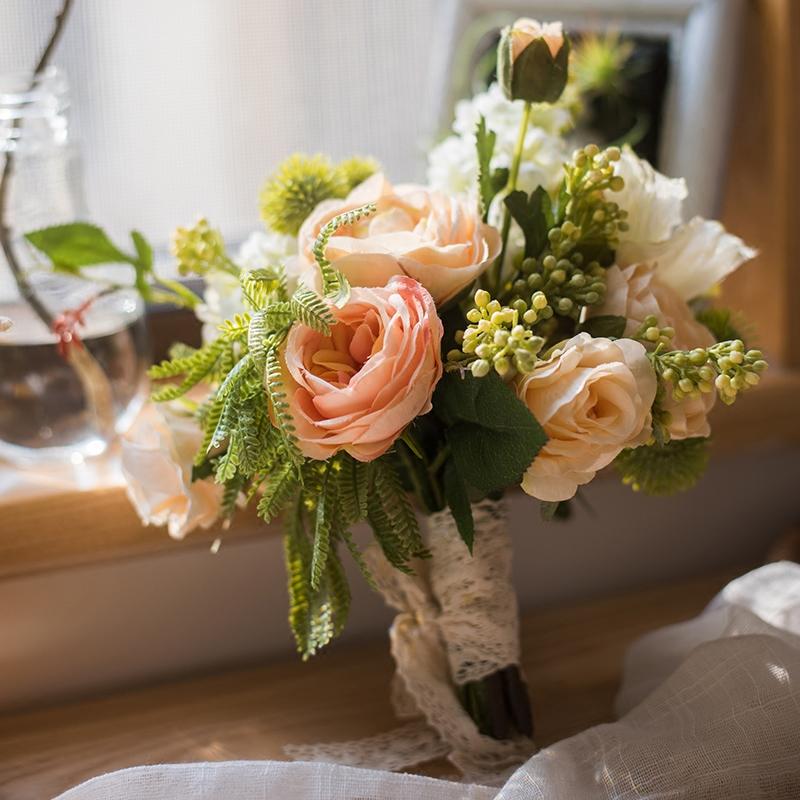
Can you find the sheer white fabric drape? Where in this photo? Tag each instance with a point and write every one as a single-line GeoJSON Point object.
{"type": "Point", "coordinates": [711, 712]}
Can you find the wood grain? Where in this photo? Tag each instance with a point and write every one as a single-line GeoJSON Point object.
{"type": "Point", "coordinates": [572, 657]}
{"type": "Point", "coordinates": [72, 528]}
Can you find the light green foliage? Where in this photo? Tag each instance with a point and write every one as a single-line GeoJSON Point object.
{"type": "Point", "coordinates": [664, 469]}
{"type": "Point", "coordinates": [77, 246]}
{"type": "Point", "coordinates": [598, 61]}
{"type": "Point", "coordinates": [500, 338]}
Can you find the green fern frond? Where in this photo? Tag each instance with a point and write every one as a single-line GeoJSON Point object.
{"type": "Point", "coordinates": [236, 328]}
{"type": "Point", "coordinates": [263, 287]}
{"type": "Point", "coordinates": [338, 594]}
{"type": "Point", "coordinates": [297, 555]}
{"type": "Point", "coordinates": [310, 309]}
{"type": "Point", "coordinates": [230, 495]}
{"type": "Point", "coordinates": [353, 479]}
{"type": "Point", "coordinates": [334, 284]}
{"type": "Point", "coordinates": [325, 516]}
{"type": "Point", "coordinates": [278, 491]}
{"type": "Point", "coordinates": [663, 470]}
{"type": "Point", "coordinates": [392, 519]}
{"type": "Point", "coordinates": [273, 383]}
{"type": "Point", "coordinates": [358, 557]}
{"type": "Point", "coordinates": [228, 463]}
{"type": "Point", "coordinates": [195, 368]}
{"type": "Point", "coordinates": [209, 419]}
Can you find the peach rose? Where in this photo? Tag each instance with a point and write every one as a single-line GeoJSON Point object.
{"type": "Point", "coordinates": [525, 30]}
{"type": "Point", "coordinates": [593, 399]}
{"type": "Point", "coordinates": [157, 458]}
{"type": "Point", "coordinates": [357, 389]}
{"type": "Point", "coordinates": [438, 240]}
{"type": "Point", "coordinates": [636, 292]}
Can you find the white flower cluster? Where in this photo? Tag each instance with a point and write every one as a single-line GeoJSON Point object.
{"type": "Point", "coordinates": [453, 164]}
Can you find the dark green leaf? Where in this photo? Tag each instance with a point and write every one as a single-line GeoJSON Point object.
{"type": "Point", "coordinates": [605, 325]}
{"type": "Point", "coordinates": [457, 497]}
{"type": "Point", "coordinates": [484, 142]}
{"type": "Point", "coordinates": [532, 215]}
{"type": "Point", "coordinates": [556, 509]}
{"type": "Point", "coordinates": [76, 245]}
{"type": "Point", "coordinates": [492, 435]}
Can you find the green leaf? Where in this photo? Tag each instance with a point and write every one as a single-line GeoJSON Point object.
{"type": "Point", "coordinates": [532, 214]}
{"type": "Point", "coordinates": [487, 189]}
{"type": "Point", "coordinates": [607, 326]}
{"type": "Point", "coordinates": [144, 252]}
{"type": "Point", "coordinates": [492, 434]}
{"type": "Point", "coordinates": [457, 497]}
{"type": "Point", "coordinates": [277, 491]}
{"type": "Point", "coordinates": [76, 245]}
{"type": "Point", "coordinates": [663, 470]}
{"type": "Point", "coordinates": [554, 509]}
{"type": "Point", "coordinates": [311, 310]}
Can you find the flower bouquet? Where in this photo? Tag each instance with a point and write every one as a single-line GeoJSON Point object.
{"type": "Point", "coordinates": [528, 319]}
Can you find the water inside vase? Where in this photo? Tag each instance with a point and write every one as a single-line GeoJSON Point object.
{"type": "Point", "coordinates": [43, 408]}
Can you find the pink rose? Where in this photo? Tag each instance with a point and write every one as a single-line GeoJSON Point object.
{"type": "Point", "coordinates": [438, 240]}
{"type": "Point", "coordinates": [357, 389]}
{"type": "Point", "coordinates": [593, 399]}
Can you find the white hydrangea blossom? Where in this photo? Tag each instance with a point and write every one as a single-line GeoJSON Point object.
{"type": "Point", "coordinates": [222, 297]}
{"type": "Point", "coordinates": [453, 164]}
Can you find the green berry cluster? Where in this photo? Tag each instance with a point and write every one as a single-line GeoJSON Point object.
{"type": "Point", "coordinates": [651, 334]}
{"type": "Point", "coordinates": [568, 282]}
{"type": "Point", "coordinates": [200, 249]}
{"type": "Point", "coordinates": [500, 337]}
{"type": "Point", "coordinates": [727, 367]}
{"type": "Point", "coordinates": [594, 219]}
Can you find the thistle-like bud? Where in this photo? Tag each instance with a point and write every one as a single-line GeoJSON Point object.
{"type": "Point", "coordinates": [533, 61]}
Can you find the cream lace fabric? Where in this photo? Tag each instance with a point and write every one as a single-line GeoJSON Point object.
{"type": "Point", "coordinates": [712, 712]}
{"type": "Point", "coordinates": [457, 622]}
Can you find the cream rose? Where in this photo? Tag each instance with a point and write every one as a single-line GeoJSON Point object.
{"type": "Point", "coordinates": [157, 458]}
{"type": "Point", "coordinates": [526, 30]}
{"type": "Point", "coordinates": [357, 389]}
{"type": "Point", "coordinates": [593, 399]}
{"type": "Point", "coordinates": [438, 240]}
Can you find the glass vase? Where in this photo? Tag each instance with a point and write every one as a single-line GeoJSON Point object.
{"type": "Point", "coordinates": [52, 407]}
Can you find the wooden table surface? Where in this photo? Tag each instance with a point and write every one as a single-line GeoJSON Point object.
{"type": "Point", "coordinates": [572, 657]}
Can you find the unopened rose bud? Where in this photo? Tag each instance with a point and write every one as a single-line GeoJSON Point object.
{"type": "Point", "coordinates": [532, 61]}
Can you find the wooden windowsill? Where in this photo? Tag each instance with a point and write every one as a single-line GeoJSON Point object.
{"type": "Point", "coordinates": [572, 657]}
{"type": "Point", "coordinates": [58, 528]}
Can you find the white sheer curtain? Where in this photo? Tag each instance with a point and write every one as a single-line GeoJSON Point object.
{"type": "Point", "coordinates": [183, 106]}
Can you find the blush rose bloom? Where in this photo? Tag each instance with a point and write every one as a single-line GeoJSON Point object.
{"type": "Point", "coordinates": [438, 240]}
{"type": "Point", "coordinates": [593, 399]}
{"type": "Point", "coordinates": [357, 389]}
{"type": "Point", "coordinates": [157, 456]}
{"type": "Point", "coordinates": [526, 30]}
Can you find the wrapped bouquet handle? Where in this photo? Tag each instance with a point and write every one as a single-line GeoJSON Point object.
{"type": "Point", "coordinates": [457, 626]}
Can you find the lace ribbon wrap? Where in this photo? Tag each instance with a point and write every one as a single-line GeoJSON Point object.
{"type": "Point", "coordinates": [457, 622]}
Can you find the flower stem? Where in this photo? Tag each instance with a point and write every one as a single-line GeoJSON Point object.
{"type": "Point", "coordinates": [513, 175]}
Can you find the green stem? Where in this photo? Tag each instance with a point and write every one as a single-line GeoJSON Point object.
{"type": "Point", "coordinates": [513, 175]}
